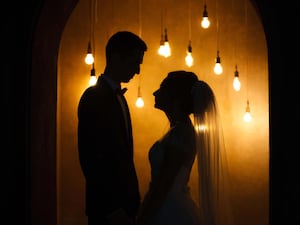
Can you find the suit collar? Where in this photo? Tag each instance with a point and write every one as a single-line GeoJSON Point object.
{"type": "Point", "coordinates": [113, 84]}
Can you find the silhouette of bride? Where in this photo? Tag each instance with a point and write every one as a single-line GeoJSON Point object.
{"type": "Point", "coordinates": [189, 139]}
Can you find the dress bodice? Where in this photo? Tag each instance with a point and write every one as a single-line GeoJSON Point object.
{"type": "Point", "coordinates": [157, 154]}
{"type": "Point", "coordinates": [177, 206]}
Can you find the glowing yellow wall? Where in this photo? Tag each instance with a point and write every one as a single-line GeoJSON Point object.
{"type": "Point", "coordinates": [241, 42]}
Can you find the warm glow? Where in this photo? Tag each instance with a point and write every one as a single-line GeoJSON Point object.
{"type": "Point", "coordinates": [236, 84]}
{"type": "Point", "coordinates": [247, 115]}
{"type": "Point", "coordinates": [189, 59]}
{"type": "Point", "coordinates": [89, 59]}
{"type": "Point", "coordinates": [166, 49]}
{"type": "Point", "coordinates": [139, 102]}
{"type": "Point", "coordinates": [236, 80]}
{"type": "Point", "coordinates": [205, 23]}
{"type": "Point", "coordinates": [92, 80]}
{"type": "Point", "coordinates": [161, 50]}
{"type": "Point", "coordinates": [218, 68]}
{"type": "Point", "coordinates": [200, 128]}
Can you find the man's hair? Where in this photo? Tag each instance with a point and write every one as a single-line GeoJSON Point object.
{"type": "Point", "coordinates": [124, 42]}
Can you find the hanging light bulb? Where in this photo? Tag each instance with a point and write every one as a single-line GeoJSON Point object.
{"type": "Point", "coordinates": [166, 49]}
{"type": "Point", "coordinates": [205, 23]}
{"type": "Point", "coordinates": [189, 61]}
{"type": "Point", "coordinates": [89, 59]}
{"type": "Point", "coordinates": [236, 81]}
{"type": "Point", "coordinates": [247, 115]}
{"type": "Point", "coordinates": [161, 46]}
{"type": "Point", "coordinates": [218, 67]}
{"type": "Point", "coordinates": [93, 78]}
{"type": "Point", "coordinates": [139, 102]}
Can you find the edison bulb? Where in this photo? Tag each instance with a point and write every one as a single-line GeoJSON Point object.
{"type": "Point", "coordinates": [236, 84]}
{"type": "Point", "coordinates": [167, 49]}
{"type": "Point", "coordinates": [218, 69]}
{"type": "Point", "coordinates": [139, 102]}
{"type": "Point", "coordinates": [161, 50]}
{"type": "Point", "coordinates": [89, 59]}
{"type": "Point", "coordinates": [247, 117]}
{"type": "Point", "coordinates": [205, 23]}
{"type": "Point", "coordinates": [189, 59]}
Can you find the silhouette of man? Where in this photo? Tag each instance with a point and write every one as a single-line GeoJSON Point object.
{"type": "Point", "coordinates": [105, 142]}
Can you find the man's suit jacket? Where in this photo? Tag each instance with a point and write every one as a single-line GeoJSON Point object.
{"type": "Point", "coordinates": [106, 152]}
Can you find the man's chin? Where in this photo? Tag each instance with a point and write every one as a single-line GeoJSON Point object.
{"type": "Point", "coordinates": [126, 81]}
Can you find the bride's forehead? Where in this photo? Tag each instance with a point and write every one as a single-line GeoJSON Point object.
{"type": "Point", "coordinates": [163, 84]}
{"type": "Point", "coordinates": [170, 81]}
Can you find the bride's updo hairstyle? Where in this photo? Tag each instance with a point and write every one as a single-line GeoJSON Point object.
{"type": "Point", "coordinates": [185, 88]}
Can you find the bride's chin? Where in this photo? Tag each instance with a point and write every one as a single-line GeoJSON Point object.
{"type": "Point", "coordinates": [157, 106]}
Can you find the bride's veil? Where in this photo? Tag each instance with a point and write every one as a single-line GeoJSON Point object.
{"type": "Point", "coordinates": [214, 183]}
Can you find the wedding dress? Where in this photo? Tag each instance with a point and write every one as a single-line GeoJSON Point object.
{"type": "Point", "coordinates": [177, 207]}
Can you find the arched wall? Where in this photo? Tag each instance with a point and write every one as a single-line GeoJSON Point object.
{"type": "Point", "coordinates": [44, 69]}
